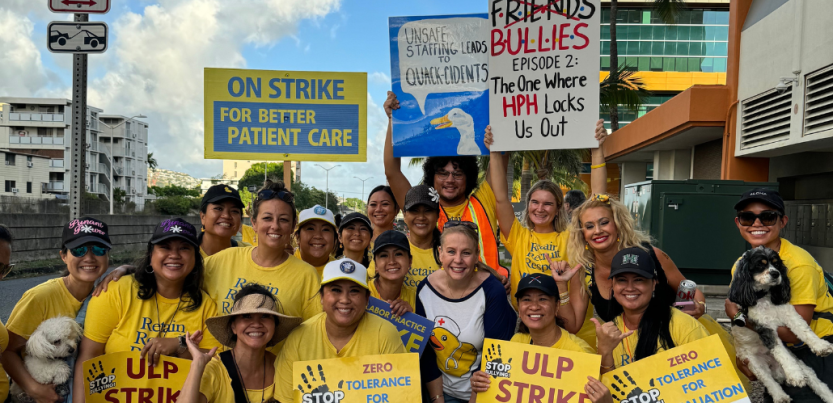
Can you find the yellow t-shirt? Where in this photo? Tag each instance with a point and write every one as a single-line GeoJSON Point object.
{"type": "Point", "coordinates": [309, 341]}
{"type": "Point", "coordinates": [588, 329]}
{"type": "Point", "coordinates": [567, 342]}
{"type": "Point", "coordinates": [807, 285]}
{"type": "Point", "coordinates": [45, 301]}
{"type": "Point", "coordinates": [406, 294]}
{"type": "Point", "coordinates": [249, 235]}
{"type": "Point", "coordinates": [215, 385]}
{"type": "Point", "coordinates": [318, 269]}
{"type": "Point", "coordinates": [205, 255]}
{"type": "Point", "coordinates": [684, 329]}
{"type": "Point", "coordinates": [529, 251]}
{"type": "Point", "coordinates": [486, 196]}
{"type": "Point", "coordinates": [124, 322]}
{"type": "Point", "coordinates": [4, 380]}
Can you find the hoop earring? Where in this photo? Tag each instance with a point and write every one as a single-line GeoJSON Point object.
{"type": "Point", "coordinates": [149, 271]}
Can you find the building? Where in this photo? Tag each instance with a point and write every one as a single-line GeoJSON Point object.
{"type": "Point", "coordinates": [235, 169]}
{"type": "Point", "coordinates": [127, 139]}
{"type": "Point", "coordinates": [42, 127]}
{"type": "Point", "coordinates": [206, 183]}
{"type": "Point", "coordinates": [25, 175]}
{"type": "Point", "coordinates": [165, 177]}
{"type": "Point", "coordinates": [772, 121]}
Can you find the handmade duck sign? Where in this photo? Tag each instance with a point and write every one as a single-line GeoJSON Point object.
{"type": "Point", "coordinates": [463, 122]}
{"type": "Point", "coordinates": [453, 357]}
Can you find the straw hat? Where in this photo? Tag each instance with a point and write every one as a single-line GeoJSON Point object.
{"type": "Point", "coordinates": [252, 303]}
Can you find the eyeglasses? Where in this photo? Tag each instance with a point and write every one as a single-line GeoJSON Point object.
{"type": "Point", "coordinates": [768, 218]}
{"type": "Point", "coordinates": [457, 223]}
{"type": "Point", "coordinates": [267, 194]}
{"type": "Point", "coordinates": [457, 175]}
{"type": "Point", "coordinates": [5, 269]}
{"type": "Point", "coordinates": [81, 251]}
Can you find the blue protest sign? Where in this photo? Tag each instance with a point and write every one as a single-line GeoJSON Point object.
{"type": "Point", "coordinates": [440, 73]}
{"type": "Point", "coordinates": [414, 329]}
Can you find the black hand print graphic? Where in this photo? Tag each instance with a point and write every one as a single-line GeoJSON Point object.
{"type": "Point", "coordinates": [496, 358]}
{"type": "Point", "coordinates": [627, 389]}
{"type": "Point", "coordinates": [99, 378]}
{"type": "Point", "coordinates": [313, 385]}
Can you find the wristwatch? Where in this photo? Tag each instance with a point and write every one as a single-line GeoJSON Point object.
{"type": "Point", "coordinates": [182, 346]}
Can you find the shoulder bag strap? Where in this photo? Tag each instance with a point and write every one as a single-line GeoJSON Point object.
{"type": "Point", "coordinates": [236, 385]}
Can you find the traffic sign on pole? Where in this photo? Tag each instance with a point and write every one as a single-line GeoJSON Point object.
{"type": "Point", "coordinates": [80, 6]}
{"type": "Point", "coordinates": [77, 37]}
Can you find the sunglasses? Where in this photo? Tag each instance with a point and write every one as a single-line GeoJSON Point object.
{"type": "Point", "coordinates": [5, 269]}
{"type": "Point", "coordinates": [457, 223]}
{"type": "Point", "coordinates": [768, 218]}
{"type": "Point", "coordinates": [267, 194]}
{"type": "Point", "coordinates": [81, 251]}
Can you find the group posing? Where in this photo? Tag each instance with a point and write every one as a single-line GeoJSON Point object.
{"type": "Point", "coordinates": [583, 278]}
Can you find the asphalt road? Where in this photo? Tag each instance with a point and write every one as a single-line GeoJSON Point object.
{"type": "Point", "coordinates": [12, 290]}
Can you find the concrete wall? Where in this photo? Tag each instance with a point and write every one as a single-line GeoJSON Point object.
{"type": "Point", "coordinates": [39, 236]}
{"type": "Point", "coordinates": [707, 160]}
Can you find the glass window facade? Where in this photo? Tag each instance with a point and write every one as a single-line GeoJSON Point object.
{"type": "Point", "coordinates": [698, 42]}
{"type": "Point", "coordinates": [626, 116]}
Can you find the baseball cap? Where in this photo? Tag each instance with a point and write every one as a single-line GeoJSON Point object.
{"type": "Point", "coordinates": [767, 196]}
{"type": "Point", "coordinates": [317, 212]}
{"type": "Point", "coordinates": [422, 194]}
{"type": "Point", "coordinates": [537, 281]}
{"type": "Point", "coordinates": [633, 260]}
{"type": "Point", "coordinates": [85, 230]}
{"type": "Point", "coordinates": [354, 217]}
{"type": "Point", "coordinates": [344, 269]}
{"type": "Point", "coordinates": [391, 238]}
{"type": "Point", "coordinates": [218, 193]}
{"type": "Point", "coordinates": [175, 228]}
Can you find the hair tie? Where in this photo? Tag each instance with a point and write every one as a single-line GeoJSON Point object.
{"type": "Point", "coordinates": [601, 197]}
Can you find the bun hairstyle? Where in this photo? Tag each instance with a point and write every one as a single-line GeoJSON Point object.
{"type": "Point", "coordinates": [275, 187]}
{"type": "Point", "coordinates": [559, 224]}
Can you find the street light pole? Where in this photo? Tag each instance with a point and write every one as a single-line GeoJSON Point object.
{"type": "Point", "coordinates": [113, 155]}
{"type": "Point", "coordinates": [327, 192]}
{"type": "Point", "coordinates": [363, 181]}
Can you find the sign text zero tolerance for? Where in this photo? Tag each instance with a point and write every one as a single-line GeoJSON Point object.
{"type": "Point", "coordinates": [544, 62]}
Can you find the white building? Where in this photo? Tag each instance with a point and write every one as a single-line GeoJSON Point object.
{"type": "Point", "coordinates": [235, 169]}
{"type": "Point", "coordinates": [24, 175]}
{"type": "Point", "coordinates": [127, 138]}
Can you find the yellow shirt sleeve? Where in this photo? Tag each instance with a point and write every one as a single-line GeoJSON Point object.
{"type": "Point", "coordinates": [4, 338]}
{"type": "Point", "coordinates": [804, 281]}
{"type": "Point", "coordinates": [209, 308]}
{"type": "Point", "coordinates": [391, 341]}
{"type": "Point", "coordinates": [249, 235]}
{"type": "Point", "coordinates": [486, 195]}
{"type": "Point", "coordinates": [283, 370]}
{"type": "Point", "coordinates": [44, 301]}
{"type": "Point", "coordinates": [211, 382]}
{"type": "Point", "coordinates": [107, 310]}
{"type": "Point", "coordinates": [517, 237]}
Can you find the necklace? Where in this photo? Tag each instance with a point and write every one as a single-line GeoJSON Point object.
{"type": "Point", "coordinates": [448, 287]}
{"type": "Point", "coordinates": [167, 324]}
{"type": "Point", "coordinates": [243, 383]}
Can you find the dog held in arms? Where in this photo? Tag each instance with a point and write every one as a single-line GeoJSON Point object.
{"type": "Point", "coordinates": [761, 289]}
{"type": "Point", "coordinates": [47, 349]}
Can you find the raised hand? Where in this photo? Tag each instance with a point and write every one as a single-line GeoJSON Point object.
{"type": "Point", "coordinates": [114, 275]}
{"type": "Point", "coordinates": [608, 336]}
{"type": "Point", "coordinates": [600, 133]}
{"type": "Point", "coordinates": [488, 138]}
{"type": "Point", "coordinates": [197, 356]}
{"type": "Point", "coordinates": [561, 271]}
{"type": "Point", "coordinates": [391, 104]}
{"type": "Point", "coordinates": [398, 307]}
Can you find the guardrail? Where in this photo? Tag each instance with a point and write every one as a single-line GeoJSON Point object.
{"type": "Point", "coordinates": [36, 117]}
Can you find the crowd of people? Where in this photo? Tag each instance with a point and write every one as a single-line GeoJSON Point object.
{"type": "Point", "coordinates": [583, 278]}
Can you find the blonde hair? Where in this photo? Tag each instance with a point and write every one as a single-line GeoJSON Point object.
{"type": "Point", "coordinates": [559, 224]}
{"type": "Point", "coordinates": [472, 236]}
{"type": "Point", "coordinates": [629, 236]}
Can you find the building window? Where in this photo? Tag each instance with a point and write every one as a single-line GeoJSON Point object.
{"type": "Point", "coordinates": [649, 171]}
{"type": "Point", "coordinates": [42, 132]}
{"type": "Point", "coordinates": [9, 186]}
{"type": "Point", "coordinates": [28, 158]}
{"type": "Point", "coordinates": [10, 159]}
{"type": "Point", "coordinates": [235, 165]}
{"type": "Point", "coordinates": [28, 187]}
{"type": "Point", "coordinates": [235, 173]}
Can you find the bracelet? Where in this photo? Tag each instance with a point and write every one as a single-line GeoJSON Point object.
{"type": "Point", "coordinates": [598, 166]}
{"type": "Point", "coordinates": [565, 301]}
{"type": "Point", "coordinates": [700, 302]}
{"type": "Point", "coordinates": [436, 397]}
{"type": "Point", "coordinates": [565, 294]}
{"type": "Point", "coordinates": [606, 367]}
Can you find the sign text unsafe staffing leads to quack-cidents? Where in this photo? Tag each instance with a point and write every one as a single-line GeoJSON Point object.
{"type": "Point", "coordinates": [285, 115]}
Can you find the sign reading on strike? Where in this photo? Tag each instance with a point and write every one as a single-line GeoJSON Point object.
{"type": "Point", "coordinates": [285, 115]}
{"type": "Point", "coordinates": [439, 72]}
{"type": "Point", "coordinates": [368, 379]}
{"type": "Point", "coordinates": [697, 372]}
{"type": "Point", "coordinates": [527, 373]}
{"type": "Point", "coordinates": [544, 63]}
{"type": "Point", "coordinates": [124, 377]}
{"type": "Point", "coordinates": [413, 329]}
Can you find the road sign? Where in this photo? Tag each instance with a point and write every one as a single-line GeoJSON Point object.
{"type": "Point", "coordinates": [77, 37]}
{"type": "Point", "coordinates": [80, 6]}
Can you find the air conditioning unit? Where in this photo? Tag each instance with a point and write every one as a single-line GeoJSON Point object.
{"type": "Point", "coordinates": [87, 187]}
{"type": "Point", "coordinates": [88, 166]}
{"type": "Point", "coordinates": [30, 164]}
{"type": "Point", "coordinates": [134, 135]}
{"type": "Point", "coordinates": [8, 162]}
{"type": "Point", "coordinates": [32, 107]}
{"type": "Point", "coordinates": [134, 173]}
{"type": "Point", "coordinates": [14, 190]}
{"type": "Point", "coordinates": [132, 190]}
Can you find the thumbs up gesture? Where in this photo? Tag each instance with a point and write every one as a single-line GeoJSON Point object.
{"type": "Point", "coordinates": [608, 336]}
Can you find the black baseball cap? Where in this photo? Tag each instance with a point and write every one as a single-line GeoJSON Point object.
{"type": "Point", "coordinates": [767, 196]}
{"type": "Point", "coordinates": [394, 238]}
{"type": "Point", "coordinates": [85, 230]}
{"type": "Point", "coordinates": [537, 281]}
{"type": "Point", "coordinates": [175, 228]}
{"type": "Point", "coordinates": [633, 260]}
{"type": "Point", "coordinates": [354, 217]}
{"type": "Point", "coordinates": [422, 194]}
{"type": "Point", "coordinates": [218, 193]}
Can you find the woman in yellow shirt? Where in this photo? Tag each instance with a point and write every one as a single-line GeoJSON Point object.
{"type": "Point", "coordinates": [247, 368]}
{"type": "Point", "coordinates": [354, 233]}
{"type": "Point", "coordinates": [344, 329]}
{"type": "Point", "coordinates": [221, 215]}
{"type": "Point", "coordinates": [316, 237]}
{"type": "Point", "coordinates": [382, 210]}
{"type": "Point", "coordinates": [5, 268]}
{"type": "Point", "coordinates": [392, 255]}
{"type": "Point", "coordinates": [85, 246]}
{"type": "Point", "coordinates": [150, 311]}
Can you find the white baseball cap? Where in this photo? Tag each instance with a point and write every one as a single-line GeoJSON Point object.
{"type": "Point", "coordinates": [345, 269]}
{"type": "Point", "coordinates": [317, 212]}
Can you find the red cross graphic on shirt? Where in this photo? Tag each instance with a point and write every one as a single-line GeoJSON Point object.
{"type": "Point", "coordinates": [441, 321]}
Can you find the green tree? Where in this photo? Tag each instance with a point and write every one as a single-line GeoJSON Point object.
{"type": "Point", "coordinates": [307, 196]}
{"type": "Point", "coordinates": [174, 190]}
{"type": "Point", "coordinates": [355, 203]}
{"type": "Point", "coordinates": [174, 205]}
{"type": "Point", "coordinates": [119, 196]}
{"type": "Point", "coordinates": [254, 175]}
{"type": "Point", "coordinates": [152, 164]}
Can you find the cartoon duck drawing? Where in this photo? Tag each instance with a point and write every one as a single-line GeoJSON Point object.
{"type": "Point", "coordinates": [453, 357]}
{"type": "Point", "coordinates": [464, 124]}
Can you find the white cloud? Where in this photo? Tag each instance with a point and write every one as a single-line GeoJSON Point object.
{"type": "Point", "coordinates": [378, 77]}
{"type": "Point", "coordinates": [22, 72]}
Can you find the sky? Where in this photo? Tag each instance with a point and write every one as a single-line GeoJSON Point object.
{"type": "Point", "coordinates": [158, 49]}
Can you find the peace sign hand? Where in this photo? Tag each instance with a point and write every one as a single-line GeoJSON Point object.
{"type": "Point", "coordinates": [561, 271]}
{"type": "Point", "coordinates": [608, 336]}
{"type": "Point", "coordinates": [198, 357]}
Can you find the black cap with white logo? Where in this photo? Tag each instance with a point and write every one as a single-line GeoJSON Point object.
{"type": "Point", "coordinates": [219, 193]}
{"type": "Point", "coordinates": [175, 228]}
{"type": "Point", "coordinates": [85, 230]}
{"type": "Point", "coordinates": [767, 196]}
{"type": "Point", "coordinates": [633, 260]}
{"type": "Point", "coordinates": [537, 281]}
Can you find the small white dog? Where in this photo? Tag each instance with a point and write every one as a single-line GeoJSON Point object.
{"type": "Point", "coordinates": [761, 287]}
{"type": "Point", "coordinates": [47, 349]}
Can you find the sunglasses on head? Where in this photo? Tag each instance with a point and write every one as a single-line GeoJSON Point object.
{"type": "Point", "coordinates": [81, 251]}
{"type": "Point", "coordinates": [768, 218]}
{"type": "Point", "coordinates": [5, 269]}
{"type": "Point", "coordinates": [267, 194]}
{"type": "Point", "coordinates": [457, 223]}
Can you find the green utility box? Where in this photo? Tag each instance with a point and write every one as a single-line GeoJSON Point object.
{"type": "Point", "coordinates": [693, 221]}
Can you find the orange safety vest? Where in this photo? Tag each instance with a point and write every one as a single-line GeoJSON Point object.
{"type": "Point", "coordinates": [474, 212]}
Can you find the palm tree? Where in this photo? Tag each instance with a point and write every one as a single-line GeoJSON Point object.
{"type": "Point", "coordinates": [152, 164]}
{"type": "Point", "coordinates": [623, 88]}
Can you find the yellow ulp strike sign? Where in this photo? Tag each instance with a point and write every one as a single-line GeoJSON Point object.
{"type": "Point", "coordinates": [124, 377]}
{"type": "Point", "coordinates": [392, 378]}
{"type": "Point", "coordinates": [285, 115]}
{"type": "Point", "coordinates": [697, 372]}
{"type": "Point", "coordinates": [523, 373]}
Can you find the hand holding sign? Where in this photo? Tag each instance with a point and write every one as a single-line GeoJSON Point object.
{"type": "Point", "coordinates": [391, 104]}
{"type": "Point", "coordinates": [608, 336]}
{"type": "Point", "coordinates": [598, 392]}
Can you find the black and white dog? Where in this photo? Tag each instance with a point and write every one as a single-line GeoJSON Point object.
{"type": "Point", "coordinates": [761, 289]}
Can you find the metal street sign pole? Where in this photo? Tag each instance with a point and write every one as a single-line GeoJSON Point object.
{"type": "Point", "coordinates": [78, 148]}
